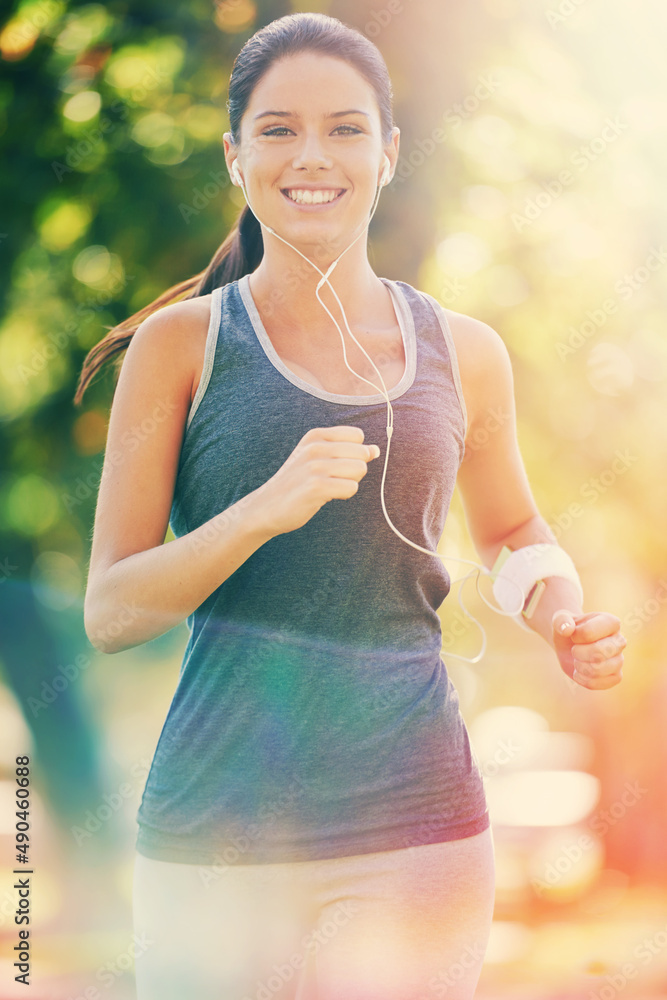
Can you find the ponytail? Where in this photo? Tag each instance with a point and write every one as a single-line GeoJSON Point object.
{"type": "Point", "coordinates": [239, 254]}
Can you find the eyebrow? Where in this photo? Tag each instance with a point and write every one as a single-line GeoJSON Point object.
{"type": "Point", "coordinates": [292, 114]}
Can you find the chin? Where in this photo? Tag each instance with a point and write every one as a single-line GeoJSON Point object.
{"type": "Point", "coordinates": [329, 234]}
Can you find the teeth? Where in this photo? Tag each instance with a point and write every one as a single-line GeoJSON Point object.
{"type": "Point", "coordinates": [305, 197]}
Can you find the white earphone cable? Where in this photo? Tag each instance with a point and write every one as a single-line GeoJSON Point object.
{"type": "Point", "coordinates": [390, 416]}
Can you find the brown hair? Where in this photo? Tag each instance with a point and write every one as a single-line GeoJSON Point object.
{"type": "Point", "coordinates": [243, 248]}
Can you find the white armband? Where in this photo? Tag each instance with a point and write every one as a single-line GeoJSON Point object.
{"type": "Point", "coordinates": [515, 573]}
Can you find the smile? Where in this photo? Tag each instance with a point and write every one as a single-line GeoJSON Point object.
{"type": "Point", "coordinates": [305, 196]}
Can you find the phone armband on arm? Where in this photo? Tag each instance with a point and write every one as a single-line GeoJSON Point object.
{"type": "Point", "coordinates": [524, 571]}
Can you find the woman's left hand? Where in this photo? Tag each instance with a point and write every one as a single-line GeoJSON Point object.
{"type": "Point", "coordinates": [589, 647]}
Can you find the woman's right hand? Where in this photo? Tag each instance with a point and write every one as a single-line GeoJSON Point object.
{"type": "Point", "coordinates": [327, 463]}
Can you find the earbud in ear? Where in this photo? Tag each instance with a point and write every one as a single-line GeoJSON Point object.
{"type": "Point", "coordinates": [236, 174]}
{"type": "Point", "coordinates": [385, 171]}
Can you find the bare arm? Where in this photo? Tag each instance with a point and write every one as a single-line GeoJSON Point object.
{"type": "Point", "coordinates": [500, 509]}
{"type": "Point", "coordinates": [139, 586]}
{"type": "Point", "coordinates": [497, 498]}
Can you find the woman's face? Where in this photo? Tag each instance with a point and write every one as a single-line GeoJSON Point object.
{"type": "Point", "coordinates": [312, 125]}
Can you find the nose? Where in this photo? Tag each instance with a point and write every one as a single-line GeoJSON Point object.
{"type": "Point", "coordinates": [311, 154]}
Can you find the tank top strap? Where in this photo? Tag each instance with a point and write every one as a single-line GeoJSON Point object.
{"type": "Point", "coordinates": [434, 335]}
{"type": "Point", "coordinates": [212, 337]}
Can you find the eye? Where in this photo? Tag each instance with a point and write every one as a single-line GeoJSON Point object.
{"type": "Point", "coordinates": [276, 130]}
{"type": "Point", "coordinates": [352, 129]}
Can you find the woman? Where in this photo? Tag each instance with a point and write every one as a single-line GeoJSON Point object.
{"type": "Point", "coordinates": [314, 823]}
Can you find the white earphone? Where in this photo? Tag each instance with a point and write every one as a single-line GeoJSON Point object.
{"type": "Point", "coordinates": [384, 179]}
{"type": "Point", "coordinates": [385, 171]}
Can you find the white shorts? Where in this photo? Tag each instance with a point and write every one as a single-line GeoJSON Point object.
{"type": "Point", "coordinates": [408, 924]}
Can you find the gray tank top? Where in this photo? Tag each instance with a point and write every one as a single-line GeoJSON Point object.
{"type": "Point", "coordinates": [314, 716]}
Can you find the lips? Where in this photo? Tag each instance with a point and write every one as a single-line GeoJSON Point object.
{"type": "Point", "coordinates": [313, 197]}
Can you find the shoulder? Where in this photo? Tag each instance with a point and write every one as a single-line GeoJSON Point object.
{"type": "Point", "coordinates": [484, 361]}
{"type": "Point", "coordinates": [479, 348]}
{"type": "Point", "coordinates": [177, 318]}
{"type": "Point", "coordinates": [478, 345]}
{"type": "Point", "coordinates": [175, 333]}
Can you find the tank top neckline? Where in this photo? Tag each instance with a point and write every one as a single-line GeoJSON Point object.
{"type": "Point", "coordinates": [406, 324]}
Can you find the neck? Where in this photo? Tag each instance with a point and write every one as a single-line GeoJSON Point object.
{"type": "Point", "coordinates": [285, 283]}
